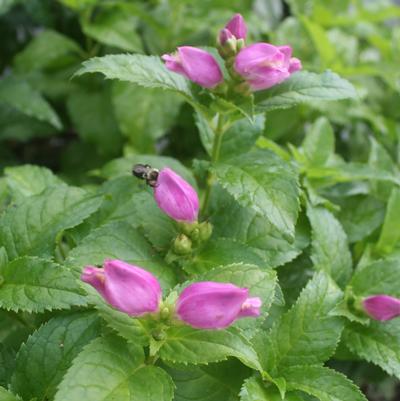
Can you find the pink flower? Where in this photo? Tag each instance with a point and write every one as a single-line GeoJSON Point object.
{"type": "Point", "coordinates": [127, 288]}
{"type": "Point", "coordinates": [210, 305]}
{"type": "Point", "coordinates": [382, 307]}
{"type": "Point", "coordinates": [264, 65]}
{"type": "Point", "coordinates": [195, 64]}
{"type": "Point", "coordinates": [176, 197]}
{"type": "Point", "coordinates": [237, 27]}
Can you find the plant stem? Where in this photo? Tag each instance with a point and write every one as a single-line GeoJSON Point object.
{"type": "Point", "coordinates": [216, 149]}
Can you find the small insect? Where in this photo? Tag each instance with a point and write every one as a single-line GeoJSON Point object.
{"type": "Point", "coordinates": [147, 173]}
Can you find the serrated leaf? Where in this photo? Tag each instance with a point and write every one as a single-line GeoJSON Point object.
{"type": "Point", "coordinates": [254, 389]}
{"type": "Point", "coordinates": [44, 359]}
{"type": "Point", "coordinates": [108, 369]}
{"type": "Point", "coordinates": [252, 232]}
{"type": "Point", "coordinates": [34, 285]}
{"type": "Point", "coordinates": [21, 96]}
{"type": "Point", "coordinates": [262, 181]}
{"type": "Point", "coordinates": [330, 251]}
{"type": "Point", "coordinates": [119, 240]}
{"type": "Point", "coordinates": [380, 277]}
{"type": "Point", "coordinates": [319, 143]}
{"type": "Point", "coordinates": [127, 327]}
{"type": "Point", "coordinates": [305, 87]}
{"type": "Point", "coordinates": [306, 334]}
{"type": "Point", "coordinates": [31, 226]}
{"type": "Point", "coordinates": [147, 71]}
{"type": "Point", "coordinates": [323, 383]}
{"type": "Point", "coordinates": [214, 382]}
{"type": "Point", "coordinates": [378, 343]}
{"type": "Point", "coordinates": [390, 234]}
{"type": "Point", "coordinates": [7, 395]}
{"type": "Point", "coordinates": [186, 345]}
{"type": "Point", "coordinates": [27, 180]}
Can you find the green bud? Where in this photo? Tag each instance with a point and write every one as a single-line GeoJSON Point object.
{"type": "Point", "coordinates": [182, 245]}
{"type": "Point", "coordinates": [205, 229]}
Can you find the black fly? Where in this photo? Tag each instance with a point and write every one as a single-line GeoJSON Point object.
{"type": "Point", "coordinates": [147, 173]}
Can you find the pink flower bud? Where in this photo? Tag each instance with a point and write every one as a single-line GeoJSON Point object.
{"type": "Point", "coordinates": [382, 307]}
{"type": "Point", "coordinates": [176, 197]}
{"type": "Point", "coordinates": [224, 36]}
{"type": "Point", "coordinates": [127, 288]}
{"type": "Point", "coordinates": [210, 305]}
{"type": "Point", "coordinates": [264, 65]}
{"type": "Point", "coordinates": [195, 64]}
{"type": "Point", "coordinates": [237, 27]}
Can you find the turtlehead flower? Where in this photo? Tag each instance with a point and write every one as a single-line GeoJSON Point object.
{"type": "Point", "coordinates": [382, 307]}
{"type": "Point", "coordinates": [237, 27]}
{"type": "Point", "coordinates": [263, 65]}
{"type": "Point", "coordinates": [195, 64]}
{"type": "Point", "coordinates": [211, 305]}
{"type": "Point", "coordinates": [176, 197]}
{"type": "Point", "coordinates": [126, 287]}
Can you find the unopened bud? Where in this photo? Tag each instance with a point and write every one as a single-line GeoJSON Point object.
{"type": "Point", "coordinates": [182, 245]}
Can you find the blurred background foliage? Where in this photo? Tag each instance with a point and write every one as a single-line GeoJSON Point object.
{"type": "Point", "coordinates": [75, 126]}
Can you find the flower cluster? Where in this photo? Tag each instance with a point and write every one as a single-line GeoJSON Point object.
{"type": "Point", "coordinates": [260, 65]}
{"type": "Point", "coordinates": [203, 305]}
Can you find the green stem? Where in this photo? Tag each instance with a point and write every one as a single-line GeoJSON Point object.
{"type": "Point", "coordinates": [216, 150]}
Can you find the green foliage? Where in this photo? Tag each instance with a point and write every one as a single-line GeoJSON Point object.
{"type": "Point", "coordinates": [109, 368]}
{"type": "Point", "coordinates": [262, 181]}
{"type": "Point", "coordinates": [32, 284]}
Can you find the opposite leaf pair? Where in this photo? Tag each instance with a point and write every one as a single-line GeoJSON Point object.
{"type": "Point", "coordinates": [203, 305]}
{"type": "Point", "coordinates": [260, 65]}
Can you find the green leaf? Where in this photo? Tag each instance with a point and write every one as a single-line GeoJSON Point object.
{"type": "Point", "coordinates": [115, 28]}
{"type": "Point", "coordinates": [22, 97]}
{"type": "Point", "coordinates": [330, 251]}
{"type": "Point", "coordinates": [390, 234]}
{"type": "Point", "coordinates": [254, 389]}
{"type": "Point", "coordinates": [264, 182]}
{"type": "Point", "coordinates": [27, 180]}
{"type": "Point", "coordinates": [48, 50]}
{"type": "Point", "coordinates": [360, 216]}
{"type": "Point", "coordinates": [222, 251]}
{"type": "Point", "coordinates": [306, 334]}
{"type": "Point", "coordinates": [319, 143]}
{"type": "Point", "coordinates": [127, 327]}
{"type": "Point", "coordinates": [322, 383]}
{"type": "Point", "coordinates": [243, 135]}
{"type": "Point", "coordinates": [214, 382]}
{"type": "Point", "coordinates": [381, 277]}
{"type": "Point", "coordinates": [305, 87]}
{"type": "Point", "coordinates": [44, 359]}
{"type": "Point", "coordinates": [378, 343]}
{"type": "Point", "coordinates": [95, 124]}
{"type": "Point", "coordinates": [119, 240]}
{"type": "Point", "coordinates": [146, 71]}
{"type": "Point", "coordinates": [30, 227]}
{"type": "Point", "coordinates": [7, 395]}
{"type": "Point", "coordinates": [108, 369]}
{"type": "Point", "coordinates": [7, 363]}
{"type": "Point", "coordinates": [186, 345]}
{"type": "Point", "coordinates": [144, 115]}
{"type": "Point", "coordinates": [252, 232]}
{"type": "Point", "coordinates": [35, 285]}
